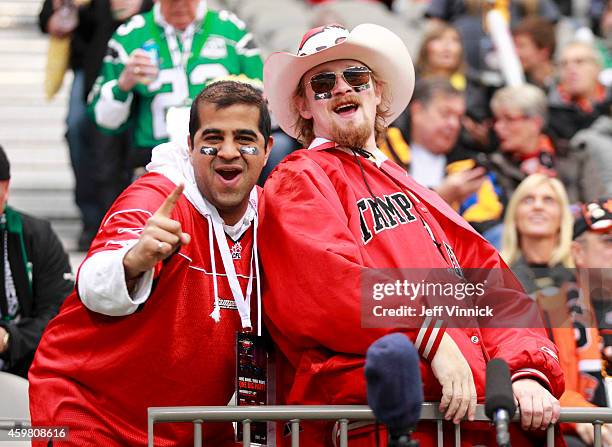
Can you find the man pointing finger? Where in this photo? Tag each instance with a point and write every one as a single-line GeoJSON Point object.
{"type": "Point", "coordinates": [160, 238]}
{"type": "Point", "coordinates": [168, 282]}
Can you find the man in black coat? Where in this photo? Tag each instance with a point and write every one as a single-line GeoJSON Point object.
{"type": "Point", "coordinates": [35, 277]}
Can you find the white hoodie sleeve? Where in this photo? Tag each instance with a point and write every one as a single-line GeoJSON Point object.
{"type": "Point", "coordinates": [102, 287]}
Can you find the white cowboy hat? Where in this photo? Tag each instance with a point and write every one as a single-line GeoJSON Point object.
{"type": "Point", "coordinates": [375, 46]}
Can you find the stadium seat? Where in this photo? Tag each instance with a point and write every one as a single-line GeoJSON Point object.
{"type": "Point", "coordinates": [14, 402]}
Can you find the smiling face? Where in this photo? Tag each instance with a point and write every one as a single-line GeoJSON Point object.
{"type": "Point", "coordinates": [518, 133]}
{"type": "Point", "coordinates": [444, 52]}
{"type": "Point", "coordinates": [436, 125]}
{"type": "Point", "coordinates": [347, 117]}
{"type": "Point", "coordinates": [538, 214]}
{"type": "Point", "coordinates": [578, 70]}
{"type": "Point", "coordinates": [227, 178]}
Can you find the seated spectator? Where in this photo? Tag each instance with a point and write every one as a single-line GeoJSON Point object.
{"type": "Point", "coordinates": [441, 55]}
{"type": "Point", "coordinates": [579, 98]}
{"type": "Point", "coordinates": [537, 229]}
{"type": "Point", "coordinates": [536, 245]}
{"type": "Point", "coordinates": [36, 276]}
{"type": "Point", "coordinates": [592, 254]}
{"type": "Point", "coordinates": [520, 118]}
{"type": "Point", "coordinates": [535, 40]}
{"type": "Point", "coordinates": [435, 117]}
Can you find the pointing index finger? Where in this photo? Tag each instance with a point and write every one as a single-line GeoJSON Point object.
{"type": "Point", "coordinates": [166, 208]}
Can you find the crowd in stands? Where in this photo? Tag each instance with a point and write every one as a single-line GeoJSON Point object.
{"type": "Point", "coordinates": [528, 166]}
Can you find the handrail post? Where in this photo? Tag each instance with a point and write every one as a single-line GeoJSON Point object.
{"type": "Point", "coordinates": [295, 433]}
{"type": "Point", "coordinates": [197, 433]}
{"type": "Point", "coordinates": [597, 438]}
{"type": "Point", "coordinates": [458, 435]}
{"type": "Point", "coordinates": [550, 435]}
{"type": "Point", "coordinates": [150, 435]}
{"type": "Point", "coordinates": [246, 433]}
{"type": "Point", "coordinates": [343, 432]}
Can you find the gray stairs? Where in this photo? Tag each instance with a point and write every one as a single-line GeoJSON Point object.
{"type": "Point", "coordinates": [32, 128]}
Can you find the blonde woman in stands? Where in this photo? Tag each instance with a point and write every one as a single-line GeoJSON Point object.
{"type": "Point", "coordinates": [538, 230]}
{"type": "Point", "coordinates": [538, 226]}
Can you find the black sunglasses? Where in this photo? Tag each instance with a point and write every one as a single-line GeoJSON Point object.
{"type": "Point", "coordinates": [354, 76]}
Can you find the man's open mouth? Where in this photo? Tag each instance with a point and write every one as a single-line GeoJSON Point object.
{"type": "Point", "coordinates": [346, 108]}
{"type": "Point", "coordinates": [228, 173]}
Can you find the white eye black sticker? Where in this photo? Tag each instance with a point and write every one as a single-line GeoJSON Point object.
{"type": "Point", "coordinates": [249, 150]}
{"type": "Point", "coordinates": [205, 150]}
{"type": "Point", "coordinates": [326, 95]}
{"type": "Point", "coordinates": [361, 88]}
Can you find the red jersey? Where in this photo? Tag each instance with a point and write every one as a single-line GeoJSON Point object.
{"type": "Point", "coordinates": [320, 226]}
{"type": "Point", "coordinates": [97, 374]}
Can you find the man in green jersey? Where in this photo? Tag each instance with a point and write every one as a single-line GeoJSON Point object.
{"type": "Point", "coordinates": [158, 61]}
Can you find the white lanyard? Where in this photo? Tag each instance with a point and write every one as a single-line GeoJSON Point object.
{"type": "Point", "coordinates": [243, 304]}
{"type": "Point", "coordinates": [179, 59]}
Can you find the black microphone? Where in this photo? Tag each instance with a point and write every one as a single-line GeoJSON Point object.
{"type": "Point", "coordinates": [394, 387]}
{"type": "Point", "coordinates": [499, 399]}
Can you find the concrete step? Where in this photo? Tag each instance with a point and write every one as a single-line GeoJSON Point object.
{"type": "Point", "coordinates": [47, 204]}
{"type": "Point", "coordinates": [35, 157]}
{"type": "Point", "coordinates": [14, 13]}
{"type": "Point", "coordinates": [31, 133]}
{"type": "Point", "coordinates": [49, 179]}
{"type": "Point", "coordinates": [16, 62]}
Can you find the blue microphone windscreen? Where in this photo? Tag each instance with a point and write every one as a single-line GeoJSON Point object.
{"type": "Point", "coordinates": [395, 390]}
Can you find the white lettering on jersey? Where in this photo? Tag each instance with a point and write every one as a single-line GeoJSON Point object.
{"type": "Point", "coordinates": [135, 22]}
{"type": "Point", "coordinates": [386, 212]}
{"type": "Point", "coordinates": [226, 15]}
{"type": "Point", "coordinates": [214, 48]}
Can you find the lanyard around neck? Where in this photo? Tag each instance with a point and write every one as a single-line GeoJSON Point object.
{"type": "Point", "coordinates": [243, 303]}
{"type": "Point", "coordinates": [180, 58]}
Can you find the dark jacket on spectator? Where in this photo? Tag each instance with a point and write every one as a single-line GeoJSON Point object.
{"type": "Point", "coordinates": [39, 295]}
{"type": "Point", "coordinates": [565, 118]}
{"type": "Point", "coordinates": [81, 36]}
{"type": "Point", "coordinates": [90, 39]}
{"type": "Point", "coordinates": [574, 168]}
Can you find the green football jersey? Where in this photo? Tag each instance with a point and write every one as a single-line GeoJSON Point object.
{"type": "Point", "coordinates": [221, 46]}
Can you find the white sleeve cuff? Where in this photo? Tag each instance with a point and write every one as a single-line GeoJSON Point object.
{"type": "Point", "coordinates": [110, 112]}
{"type": "Point", "coordinates": [102, 287]}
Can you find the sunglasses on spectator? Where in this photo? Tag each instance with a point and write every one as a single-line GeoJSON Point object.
{"type": "Point", "coordinates": [326, 81]}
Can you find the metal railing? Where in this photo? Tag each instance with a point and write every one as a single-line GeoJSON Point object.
{"type": "Point", "coordinates": [342, 414]}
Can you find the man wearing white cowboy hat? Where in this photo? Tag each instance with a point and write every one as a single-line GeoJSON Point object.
{"type": "Point", "coordinates": [339, 208]}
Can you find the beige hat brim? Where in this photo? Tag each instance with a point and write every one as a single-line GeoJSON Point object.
{"type": "Point", "coordinates": [375, 46]}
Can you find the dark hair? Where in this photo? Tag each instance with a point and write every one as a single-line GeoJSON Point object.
{"type": "Point", "coordinates": [225, 94]}
{"type": "Point", "coordinates": [426, 89]}
{"type": "Point", "coordinates": [541, 31]}
{"type": "Point", "coordinates": [5, 166]}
